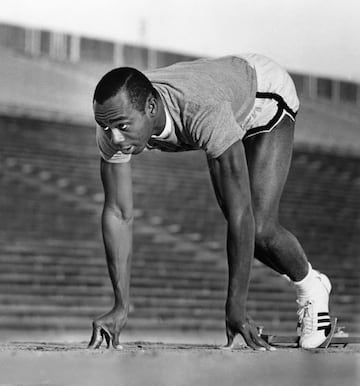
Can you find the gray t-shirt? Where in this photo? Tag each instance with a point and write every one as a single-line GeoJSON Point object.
{"type": "Point", "coordinates": [207, 100]}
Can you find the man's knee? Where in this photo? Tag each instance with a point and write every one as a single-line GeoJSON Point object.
{"type": "Point", "coordinates": [265, 230]}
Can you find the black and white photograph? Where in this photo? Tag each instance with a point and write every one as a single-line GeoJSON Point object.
{"type": "Point", "coordinates": [180, 192]}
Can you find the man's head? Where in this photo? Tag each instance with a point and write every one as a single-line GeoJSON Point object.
{"type": "Point", "coordinates": [128, 108]}
{"type": "Point", "coordinates": [137, 86]}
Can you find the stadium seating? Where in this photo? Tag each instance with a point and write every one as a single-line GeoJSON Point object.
{"type": "Point", "coordinates": [52, 266]}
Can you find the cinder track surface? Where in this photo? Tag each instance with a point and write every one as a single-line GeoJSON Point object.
{"type": "Point", "coordinates": [157, 363]}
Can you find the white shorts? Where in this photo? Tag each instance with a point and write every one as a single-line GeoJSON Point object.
{"type": "Point", "coordinates": [276, 96]}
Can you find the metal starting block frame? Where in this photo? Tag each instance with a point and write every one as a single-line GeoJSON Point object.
{"type": "Point", "coordinates": [336, 338]}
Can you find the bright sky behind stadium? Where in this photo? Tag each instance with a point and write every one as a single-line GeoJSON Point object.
{"type": "Point", "coordinates": [313, 36]}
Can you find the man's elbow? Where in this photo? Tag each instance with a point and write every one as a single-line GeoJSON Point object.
{"type": "Point", "coordinates": [123, 215]}
{"type": "Point", "coordinates": [241, 216]}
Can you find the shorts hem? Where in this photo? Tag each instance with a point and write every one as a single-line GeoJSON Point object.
{"type": "Point", "coordinates": [282, 110]}
{"type": "Point", "coordinates": [269, 127]}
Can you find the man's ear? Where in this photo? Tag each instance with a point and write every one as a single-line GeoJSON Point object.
{"type": "Point", "coordinates": [151, 105]}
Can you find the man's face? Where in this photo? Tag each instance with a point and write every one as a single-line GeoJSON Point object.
{"type": "Point", "coordinates": [126, 127]}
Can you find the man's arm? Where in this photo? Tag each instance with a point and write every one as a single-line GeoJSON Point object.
{"type": "Point", "coordinates": [117, 219]}
{"type": "Point", "coordinates": [230, 179]}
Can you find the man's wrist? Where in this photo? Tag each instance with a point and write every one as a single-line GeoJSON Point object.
{"type": "Point", "coordinates": [236, 308]}
{"type": "Point", "coordinates": [237, 294]}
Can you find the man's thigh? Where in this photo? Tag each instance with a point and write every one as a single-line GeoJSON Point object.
{"type": "Point", "coordinates": [269, 158]}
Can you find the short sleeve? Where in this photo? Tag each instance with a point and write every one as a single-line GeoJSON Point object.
{"type": "Point", "coordinates": [216, 129]}
{"type": "Point", "coordinates": [107, 150]}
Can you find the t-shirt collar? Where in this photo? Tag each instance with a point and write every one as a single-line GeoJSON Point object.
{"type": "Point", "coordinates": [167, 129]}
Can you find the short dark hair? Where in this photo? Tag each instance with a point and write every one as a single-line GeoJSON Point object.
{"type": "Point", "coordinates": [134, 82]}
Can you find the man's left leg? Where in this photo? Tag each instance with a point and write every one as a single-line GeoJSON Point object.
{"type": "Point", "coordinates": [269, 157]}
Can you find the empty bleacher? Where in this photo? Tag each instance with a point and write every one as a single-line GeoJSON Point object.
{"type": "Point", "coordinates": [52, 266]}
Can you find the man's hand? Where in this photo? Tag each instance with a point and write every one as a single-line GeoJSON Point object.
{"type": "Point", "coordinates": [246, 328]}
{"type": "Point", "coordinates": [108, 327]}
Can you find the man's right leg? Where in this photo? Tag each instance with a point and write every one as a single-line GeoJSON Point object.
{"type": "Point", "coordinates": [269, 157]}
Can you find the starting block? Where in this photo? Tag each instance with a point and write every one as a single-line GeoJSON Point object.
{"type": "Point", "coordinates": [336, 337]}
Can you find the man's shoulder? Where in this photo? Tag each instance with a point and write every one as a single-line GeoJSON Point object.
{"type": "Point", "coordinates": [204, 81]}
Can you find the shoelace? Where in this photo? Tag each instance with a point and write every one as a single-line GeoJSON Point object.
{"type": "Point", "coordinates": [306, 321]}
